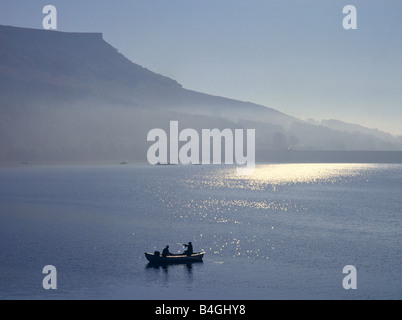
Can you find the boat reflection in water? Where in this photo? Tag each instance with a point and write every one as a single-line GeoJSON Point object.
{"type": "Point", "coordinates": [165, 266]}
{"type": "Point", "coordinates": [171, 273]}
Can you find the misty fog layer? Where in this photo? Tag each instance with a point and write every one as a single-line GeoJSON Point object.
{"type": "Point", "coordinates": [71, 96]}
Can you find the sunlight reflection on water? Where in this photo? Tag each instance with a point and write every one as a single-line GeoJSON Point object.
{"type": "Point", "coordinates": [265, 178]}
{"type": "Point", "coordinates": [272, 175]}
{"type": "Point", "coordinates": [303, 173]}
{"type": "Point", "coordinates": [255, 200]}
{"type": "Point", "coordinates": [254, 208]}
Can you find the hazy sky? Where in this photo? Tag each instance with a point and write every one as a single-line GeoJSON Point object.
{"type": "Point", "coordinates": [291, 55]}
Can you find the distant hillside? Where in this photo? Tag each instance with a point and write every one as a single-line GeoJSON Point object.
{"type": "Point", "coordinates": [352, 128]}
{"type": "Point", "coordinates": [72, 96]}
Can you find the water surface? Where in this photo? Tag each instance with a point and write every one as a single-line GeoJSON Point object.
{"type": "Point", "coordinates": [283, 232]}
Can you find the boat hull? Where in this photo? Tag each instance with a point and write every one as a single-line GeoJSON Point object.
{"type": "Point", "coordinates": [195, 257]}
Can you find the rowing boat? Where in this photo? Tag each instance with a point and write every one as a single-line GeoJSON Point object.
{"type": "Point", "coordinates": [177, 258]}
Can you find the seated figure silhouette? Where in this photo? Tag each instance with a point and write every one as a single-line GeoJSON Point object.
{"type": "Point", "coordinates": [166, 252]}
{"type": "Point", "coordinates": [189, 250]}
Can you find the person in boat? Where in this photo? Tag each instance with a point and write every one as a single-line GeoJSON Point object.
{"type": "Point", "coordinates": [189, 250]}
{"type": "Point", "coordinates": [166, 252]}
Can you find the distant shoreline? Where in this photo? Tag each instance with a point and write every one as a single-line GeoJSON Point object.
{"type": "Point", "coordinates": [315, 156]}
{"type": "Point", "coordinates": [279, 156]}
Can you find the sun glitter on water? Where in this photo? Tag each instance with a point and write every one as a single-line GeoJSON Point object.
{"type": "Point", "coordinates": [280, 174]}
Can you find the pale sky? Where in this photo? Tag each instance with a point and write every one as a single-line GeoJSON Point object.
{"type": "Point", "coordinates": [291, 55]}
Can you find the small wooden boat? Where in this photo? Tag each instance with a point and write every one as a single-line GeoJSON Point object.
{"type": "Point", "coordinates": [177, 258]}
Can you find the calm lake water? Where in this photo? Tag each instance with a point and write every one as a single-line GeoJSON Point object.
{"type": "Point", "coordinates": [283, 232]}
